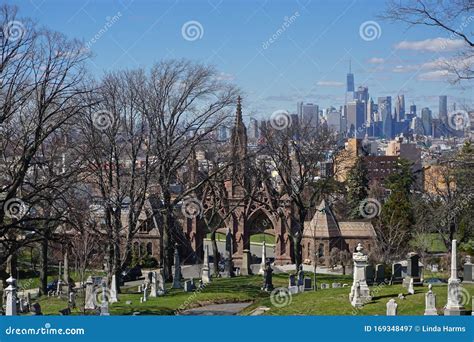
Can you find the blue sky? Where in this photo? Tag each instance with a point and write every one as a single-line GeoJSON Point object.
{"type": "Point", "coordinates": [307, 59]}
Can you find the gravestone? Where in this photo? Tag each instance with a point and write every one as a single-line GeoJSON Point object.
{"type": "Point", "coordinates": [454, 307]}
{"type": "Point", "coordinates": [359, 283]}
{"type": "Point", "coordinates": [435, 268]}
{"type": "Point", "coordinates": [245, 268]}
{"type": "Point", "coordinates": [324, 286]}
{"type": "Point", "coordinates": [430, 302]}
{"type": "Point", "coordinates": [392, 307]}
{"type": "Point", "coordinates": [468, 271]}
{"type": "Point", "coordinates": [411, 289]}
{"type": "Point", "coordinates": [264, 259]}
{"type": "Point", "coordinates": [161, 282]}
{"type": "Point", "coordinates": [65, 312]}
{"type": "Point", "coordinates": [228, 262]}
{"type": "Point", "coordinates": [369, 274]}
{"type": "Point", "coordinates": [90, 300]}
{"type": "Point", "coordinates": [153, 287]}
{"type": "Point", "coordinates": [336, 285]}
{"type": "Point", "coordinates": [293, 289]}
{"type": "Point", "coordinates": [413, 270]}
{"type": "Point", "coordinates": [189, 285]}
{"type": "Point", "coordinates": [72, 299]}
{"type": "Point", "coordinates": [36, 309]}
{"type": "Point", "coordinates": [308, 284]}
{"type": "Point", "coordinates": [396, 273]}
{"type": "Point", "coordinates": [356, 299]}
{"type": "Point", "coordinates": [267, 278]}
{"type": "Point", "coordinates": [145, 292]}
{"type": "Point", "coordinates": [206, 270]}
{"type": "Point", "coordinates": [104, 306]}
{"type": "Point", "coordinates": [113, 290]}
{"type": "Point", "coordinates": [177, 269]}
{"type": "Point", "coordinates": [379, 274]}
{"type": "Point", "coordinates": [300, 276]}
{"type": "Point", "coordinates": [291, 280]}
{"type": "Point", "coordinates": [28, 300]}
{"type": "Point", "coordinates": [11, 297]}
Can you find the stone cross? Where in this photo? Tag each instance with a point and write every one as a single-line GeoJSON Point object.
{"type": "Point", "coordinates": [113, 290]}
{"type": "Point", "coordinates": [430, 302]}
{"type": "Point", "coordinates": [264, 258]}
{"type": "Point", "coordinates": [206, 271]}
{"type": "Point", "coordinates": [359, 283]}
{"type": "Point", "coordinates": [454, 307]}
{"type": "Point", "coordinates": [145, 292]}
{"type": "Point", "coordinates": [177, 269]}
{"type": "Point", "coordinates": [90, 302]}
{"type": "Point", "coordinates": [392, 307]}
{"type": "Point", "coordinates": [11, 297]}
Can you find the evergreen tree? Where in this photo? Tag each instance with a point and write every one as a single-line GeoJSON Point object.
{"type": "Point", "coordinates": [357, 184]}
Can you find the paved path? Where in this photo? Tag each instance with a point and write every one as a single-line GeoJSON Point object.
{"type": "Point", "coordinates": [229, 309]}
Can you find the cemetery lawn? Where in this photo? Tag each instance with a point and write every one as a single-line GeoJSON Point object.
{"type": "Point", "coordinates": [247, 289]}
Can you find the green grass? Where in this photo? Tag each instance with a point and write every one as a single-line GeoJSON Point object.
{"type": "Point", "coordinates": [247, 289]}
{"type": "Point", "coordinates": [34, 282]}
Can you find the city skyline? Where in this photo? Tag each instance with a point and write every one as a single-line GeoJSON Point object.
{"type": "Point", "coordinates": [278, 53]}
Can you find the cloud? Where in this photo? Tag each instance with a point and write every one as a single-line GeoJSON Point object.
{"type": "Point", "coordinates": [376, 60]}
{"type": "Point", "coordinates": [336, 84]}
{"type": "Point", "coordinates": [437, 75]}
{"type": "Point", "coordinates": [431, 45]}
{"type": "Point", "coordinates": [223, 76]}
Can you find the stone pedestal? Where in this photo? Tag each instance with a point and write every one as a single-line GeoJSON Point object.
{"type": "Point", "coordinates": [90, 300]}
{"type": "Point", "coordinates": [161, 282]}
{"type": "Point", "coordinates": [454, 307]}
{"type": "Point", "coordinates": [468, 272]}
{"type": "Point", "coordinates": [153, 286]}
{"type": "Point", "coordinates": [392, 307]}
{"type": "Point", "coordinates": [113, 290]}
{"type": "Point", "coordinates": [245, 267]}
{"type": "Point", "coordinates": [264, 258]}
{"type": "Point", "coordinates": [11, 295]}
{"type": "Point", "coordinates": [177, 270]}
{"type": "Point", "coordinates": [360, 292]}
{"type": "Point", "coordinates": [206, 270]}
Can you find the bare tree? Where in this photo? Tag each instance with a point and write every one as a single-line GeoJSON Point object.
{"type": "Point", "coordinates": [453, 17]}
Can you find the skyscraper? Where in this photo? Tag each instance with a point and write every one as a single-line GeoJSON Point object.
{"type": "Point", "coordinates": [350, 80]}
{"type": "Point", "coordinates": [356, 119]}
{"type": "Point", "coordinates": [443, 109]}
{"type": "Point", "coordinates": [427, 121]}
{"type": "Point", "coordinates": [308, 114]}
{"type": "Point", "coordinates": [253, 129]}
{"type": "Point", "coordinates": [400, 108]}
{"type": "Point", "coordinates": [385, 112]}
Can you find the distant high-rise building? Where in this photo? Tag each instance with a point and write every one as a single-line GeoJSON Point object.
{"type": "Point", "coordinates": [385, 112]}
{"type": "Point", "coordinates": [356, 119]}
{"type": "Point", "coordinates": [222, 133]}
{"type": "Point", "coordinates": [350, 80]}
{"type": "Point", "coordinates": [400, 108]}
{"type": "Point", "coordinates": [362, 94]}
{"type": "Point", "coordinates": [427, 121]}
{"type": "Point", "coordinates": [413, 109]}
{"type": "Point", "coordinates": [370, 112]}
{"type": "Point", "coordinates": [253, 129]}
{"type": "Point", "coordinates": [333, 119]}
{"type": "Point", "coordinates": [308, 114]}
{"type": "Point", "coordinates": [443, 109]}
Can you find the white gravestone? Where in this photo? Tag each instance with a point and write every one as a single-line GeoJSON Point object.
{"type": "Point", "coordinates": [206, 272]}
{"type": "Point", "coordinates": [161, 282]}
{"type": "Point", "coordinates": [360, 262]}
{"type": "Point", "coordinates": [113, 290]}
{"type": "Point", "coordinates": [90, 302]}
{"type": "Point", "coordinates": [154, 287]}
{"type": "Point", "coordinates": [411, 289]}
{"type": "Point", "coordinates": [430, 302]}
{"type": "Point", "coordinates": [454, 307]}
{"type": "Point", "coordinates": [392, 307]}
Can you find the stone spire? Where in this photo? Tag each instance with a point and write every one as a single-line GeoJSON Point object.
{"type": "Point", "coordinates": [239, 152]}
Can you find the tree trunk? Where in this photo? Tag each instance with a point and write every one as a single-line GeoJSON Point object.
{"type": "Point", "coordinates": [44, 267]}
{"type": "Point", "coordinates": [215, 253]}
